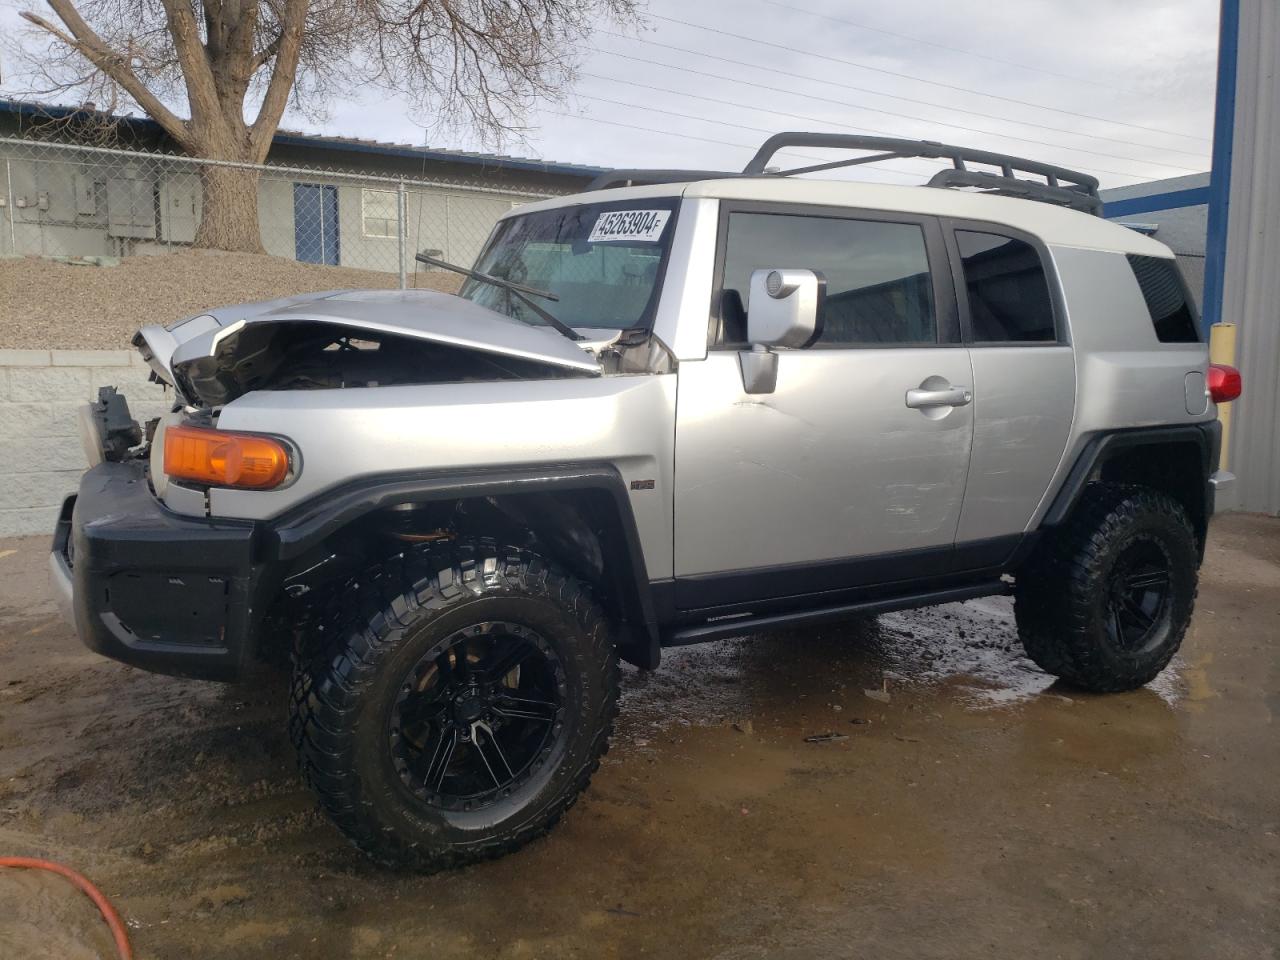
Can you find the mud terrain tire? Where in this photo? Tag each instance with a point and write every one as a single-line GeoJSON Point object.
{"type": "Point", "coordinates": [1106, 601]}
{"type": "Point", "coordinates": [348, 694]}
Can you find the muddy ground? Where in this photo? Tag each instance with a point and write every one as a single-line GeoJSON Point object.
{"type": "Point", "coordinates": [971, 810]}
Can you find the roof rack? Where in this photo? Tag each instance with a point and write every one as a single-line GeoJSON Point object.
{"type": "Point", "coordinates": [1067, 188]}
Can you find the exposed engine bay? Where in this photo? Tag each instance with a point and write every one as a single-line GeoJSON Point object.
{"type": "Point", "coordinates": [324, 356]}
{"type": "Point", "coordinates": [306, 355]}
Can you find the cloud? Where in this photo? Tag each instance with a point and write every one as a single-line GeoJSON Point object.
{"type": "Point", "coordinates": [1116, 75]}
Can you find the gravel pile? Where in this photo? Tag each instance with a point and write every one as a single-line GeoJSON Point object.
{"type": "Point", "coordinates": [45, 304]}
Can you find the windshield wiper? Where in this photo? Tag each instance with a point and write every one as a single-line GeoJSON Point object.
{"type": "Point", "coordinates": [519, 289]}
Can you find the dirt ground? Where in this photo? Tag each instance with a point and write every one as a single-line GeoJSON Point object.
{"type": "Point", "coordinates": [970, 810]}
{"type": "Point", "coordinates": [48, 304]}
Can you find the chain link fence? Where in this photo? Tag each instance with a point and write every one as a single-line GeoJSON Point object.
{"type": "Point", "coordinates": [61, 200]}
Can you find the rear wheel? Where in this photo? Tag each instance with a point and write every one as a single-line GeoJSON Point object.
{"type": "Point", "coordinates": [460, 709]}
{"type": "Point", "coordinates": [1107, 600]}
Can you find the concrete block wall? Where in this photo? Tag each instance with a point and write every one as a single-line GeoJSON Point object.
{"type": "Point", "coordinates": [40, 391]}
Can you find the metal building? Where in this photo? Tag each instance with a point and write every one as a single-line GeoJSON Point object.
{"type": "Point", "coordinates": [1244, 230]}
{"type": "Point", "coordinates": [1173, 211]}
{"type": "Point", "coordinates": [327, 200]}
{"type": "Point", "coordinates": [1225, 229]}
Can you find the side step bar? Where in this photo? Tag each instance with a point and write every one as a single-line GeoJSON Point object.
{"type": "Point", "coordinates": [737, 626]}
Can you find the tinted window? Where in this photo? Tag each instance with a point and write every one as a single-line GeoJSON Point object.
{"type": "Point", "coordinates": [1172, 313]}
{"type": "Point", "coordinates": [1008, 293]}
{"type": "Point", "coordinates": [878, 286]}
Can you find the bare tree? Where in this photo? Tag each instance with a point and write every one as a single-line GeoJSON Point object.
{"type": "Point", "coordinates": [233, 66]}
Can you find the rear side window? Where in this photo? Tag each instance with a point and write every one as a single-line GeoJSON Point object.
{"type": "Point", "coordinates": [1172, 312]}
{"type": "Point", "coordinates": [1008, 293]}
{"type": "Point", "coordinates": [879, 289]}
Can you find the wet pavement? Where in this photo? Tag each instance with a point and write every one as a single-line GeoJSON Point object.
{"type": "Point", "coordinates": [908, 786]}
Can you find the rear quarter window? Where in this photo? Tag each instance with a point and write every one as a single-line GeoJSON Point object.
{"type": "Point", "coordinates": [1007, 292]}
{"type": "Point", "coordinates": [1172, 312]}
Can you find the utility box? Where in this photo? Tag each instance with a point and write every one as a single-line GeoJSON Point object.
{"type": "Point", "coordinates": [86, 195]}
{"type": "Point", "coordinates": [179, 209]}
{"type": "Point", "coordinates": [131, 207]}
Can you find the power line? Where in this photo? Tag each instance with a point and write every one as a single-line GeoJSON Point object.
{"type": "Point", "coordinates": [794, 116]}
{"type": "Point", "coordinates": [742, 126]}
{"type": "Point", "coordinates": [914, 175]}
{"type": "Point", "coordinates": [905, 76]}
{"type": "Point", "coordinates": [878, 93]}
{"type": "Point", "coordinates": [907, 116]}
{"type": "Point", "coordinates": [856, 106]}
{"type": "Point", "coordinates": [688, 136]}
{"type": "Point", "coordinates": [943, 46]}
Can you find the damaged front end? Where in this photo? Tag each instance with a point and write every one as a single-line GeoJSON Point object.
{"type": "Point", "coordinates": [376, 338]}
{"type": "Point", "coordinates": [350, 340]}
{"type": "Point", "coordinates": [171, 556]}
{"type": "Point", "coordinates": [107, 430]}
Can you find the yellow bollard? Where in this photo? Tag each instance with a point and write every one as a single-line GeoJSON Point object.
{"type": "Point", "coordinates": [1222, 349]}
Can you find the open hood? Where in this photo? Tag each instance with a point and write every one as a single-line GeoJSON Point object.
{"type": "Point", "coordinates": [157, 342]}
{"type": "Point", "coordinates": [216, 356]}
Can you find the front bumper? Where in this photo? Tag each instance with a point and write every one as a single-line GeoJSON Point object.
{"type": "Point", "coordinates": [146, 586]}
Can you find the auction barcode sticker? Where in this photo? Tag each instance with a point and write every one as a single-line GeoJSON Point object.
{"type": "Point", "coordinates": [643, 225]}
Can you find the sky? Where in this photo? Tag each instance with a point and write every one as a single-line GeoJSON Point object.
{"type": "Point", "coordinates": [1121, 89]}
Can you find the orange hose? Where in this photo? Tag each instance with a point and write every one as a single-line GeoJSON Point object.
{"type": "Point", "coordinates": [88, 889]}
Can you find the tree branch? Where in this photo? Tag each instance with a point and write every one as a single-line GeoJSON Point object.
{"type": "Point", "coordinates": [283, 73]}
{"type": "Point", "coordinates": [213, 31]}
{"type": "Point", "coordinates": [263, 56]}
{"type": "Point", "coordinates": [202, 94]}
{"type": "Point", "coordinates": [240, 36]}
{"type": "Point", "coordinates": [86, 41]}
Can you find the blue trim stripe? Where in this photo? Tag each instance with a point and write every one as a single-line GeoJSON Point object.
{"type": "Point", "coordinates": [1195, 197]}
{"type": "Point", "coordinates": [1224, 120]}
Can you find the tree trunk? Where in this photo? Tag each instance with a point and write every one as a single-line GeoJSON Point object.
{"type": "Point", "coordinates": [229, 211]}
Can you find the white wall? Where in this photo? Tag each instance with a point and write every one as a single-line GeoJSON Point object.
{"type": "Point", "coordinates": [40, 391]}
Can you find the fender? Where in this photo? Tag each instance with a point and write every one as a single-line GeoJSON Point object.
{"type": "Point", "coordinates": [290, 535]}
{"type": "Point", "coordinates": [1102, 447]}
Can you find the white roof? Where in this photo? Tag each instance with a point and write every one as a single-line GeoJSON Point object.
{"type": "Point", "coordinates": [1056, 226]}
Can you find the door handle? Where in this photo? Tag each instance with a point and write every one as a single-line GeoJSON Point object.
{"type": "Point", "coordinates": [943, 397]}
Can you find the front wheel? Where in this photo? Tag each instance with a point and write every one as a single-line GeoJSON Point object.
{"type": "Point", "coordinates": [462, 711]}
{"type": "Point", "coordinates": [1107, 601]}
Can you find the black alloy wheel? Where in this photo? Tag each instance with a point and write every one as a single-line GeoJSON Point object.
{"type": "Point", "coordinates": [476, 715]}
{"type": "Point", "coordinates": [1139, 595]}
{"type": "Point", "coordinates": [455, 704]}
{"type": "Point", "coordinates": [1106, 600]}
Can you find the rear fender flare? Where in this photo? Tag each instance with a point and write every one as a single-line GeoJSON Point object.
{"type": "Point", "coordinates": [1104, 447]}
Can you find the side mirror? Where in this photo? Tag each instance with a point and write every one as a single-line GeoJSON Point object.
{"type": "Point", "coordinates": [784, 308]}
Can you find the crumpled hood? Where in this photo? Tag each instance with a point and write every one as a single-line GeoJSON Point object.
{"type": "Point", "coordinates": [424, 315]}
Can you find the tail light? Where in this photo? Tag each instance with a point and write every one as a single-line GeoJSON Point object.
{"type": "Point", "coordinates": [1224, 382]}
{"type": "Point", "coordinates": [223, 459]}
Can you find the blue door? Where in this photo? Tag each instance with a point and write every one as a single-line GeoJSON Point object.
{"type": "Point", "coordinates": [315, 223]}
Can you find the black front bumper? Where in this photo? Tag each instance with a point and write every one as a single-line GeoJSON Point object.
{"type": "Point", "coordinates": [152, 588]}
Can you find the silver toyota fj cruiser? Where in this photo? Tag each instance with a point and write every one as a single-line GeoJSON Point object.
{"type": "Point", "coordinates": [682, 405]}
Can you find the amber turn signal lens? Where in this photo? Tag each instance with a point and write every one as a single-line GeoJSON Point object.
{"type": "Point", "coordinates": [222, 459]}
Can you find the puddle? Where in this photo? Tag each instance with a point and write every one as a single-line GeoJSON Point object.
{"type": "Point", "coordinates": [967, 653]}
{"type": "Point", "coordinates": [974, 646]}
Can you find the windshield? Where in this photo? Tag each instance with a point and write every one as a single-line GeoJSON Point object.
{"type": "Point", "coordinates": [603, 260]}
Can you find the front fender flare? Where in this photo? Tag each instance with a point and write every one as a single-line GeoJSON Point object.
{"type": "Point", "coordinates": [308, 524]}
